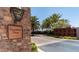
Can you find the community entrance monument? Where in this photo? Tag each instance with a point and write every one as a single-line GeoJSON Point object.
{"type": "Point", "coordinates": [15, 29]}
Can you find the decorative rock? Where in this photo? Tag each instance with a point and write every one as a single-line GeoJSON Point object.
{"type": "Point", "coordinates": [14, 40]}
{"type": "Point", "coordinates": [19, 44]}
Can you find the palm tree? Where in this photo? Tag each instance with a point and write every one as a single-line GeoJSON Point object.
{"type": "Point", "coordinates": [63, 23]}
{"type": "Point", "coordinates": [46, 23]}
{"type": "Point", "coordinates": [55, 17]}
{"type": "Point", "coordinates": [34, 23]}
{"type": "Point", "coordinates": [55, 21]}
{"type": "Point", "coordinates": [49, 21]}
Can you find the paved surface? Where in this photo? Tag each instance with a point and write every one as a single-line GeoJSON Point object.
{"type": "Point", "coordinates": [50, 44]}
{"type": "Point", "coordinates": [42, 39]}
{"type": "Point", "coordinates": [64, 46]}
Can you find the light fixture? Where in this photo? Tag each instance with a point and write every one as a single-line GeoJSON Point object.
{"type": "Point", "coordinates": [16, 13]}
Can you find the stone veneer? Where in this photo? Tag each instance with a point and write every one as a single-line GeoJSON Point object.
{"type": "Point", "coordinates": [14, 45]}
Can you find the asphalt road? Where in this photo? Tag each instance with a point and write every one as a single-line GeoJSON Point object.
{"type": "Point", "coordinates": [50, 44]}
{"type": "Point", "coordinates": [63, 46]}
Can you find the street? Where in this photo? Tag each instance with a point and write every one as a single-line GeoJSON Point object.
{"type": "Point", "coordinates": [51, 44]}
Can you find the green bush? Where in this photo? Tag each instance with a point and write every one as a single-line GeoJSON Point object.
{"type": "Point", "coordinates": [34, 47]}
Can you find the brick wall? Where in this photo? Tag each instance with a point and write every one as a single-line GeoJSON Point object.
{"type": "Point", "coordinates": [65, 32]}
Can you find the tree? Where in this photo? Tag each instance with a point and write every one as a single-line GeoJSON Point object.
{"type": "Point", "coordinates": [49, 21]}
{"type": "Point", "coordinates": [34, 23]}
{"type": "Point", "coordinates": [46, 23]}
{"type": "Point", "coordinates": [55, 18]}
{"type": "Point", "coordinates": [63, 23]}
{"type": "Point", "coordinates": [55, 21]}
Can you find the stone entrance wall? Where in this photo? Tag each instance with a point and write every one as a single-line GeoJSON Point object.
{"type": "Point", "coordinates": [15, 45]}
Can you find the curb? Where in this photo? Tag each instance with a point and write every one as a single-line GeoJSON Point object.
{"type": "Point", "coordinates": [39, 50]}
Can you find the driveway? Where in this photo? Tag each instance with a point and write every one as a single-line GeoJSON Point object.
{"type": "Point", "coordinates": [50, 44]}
{"type": "Point", "coordinates": [43, 39]}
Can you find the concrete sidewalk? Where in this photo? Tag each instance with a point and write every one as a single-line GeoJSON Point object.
{"type": "Point", "coordinates": [39, 50]}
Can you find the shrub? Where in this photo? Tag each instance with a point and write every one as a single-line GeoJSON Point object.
{"type": "Point", "coordinates": [68, 37]}
{"type": "Point", "coordinates": [34, 47]}
{"type": "Point", "coordinates": [65, 37]}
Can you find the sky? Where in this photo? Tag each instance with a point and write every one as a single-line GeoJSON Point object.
{"type": "Point", "coordinates": [70, 13]}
